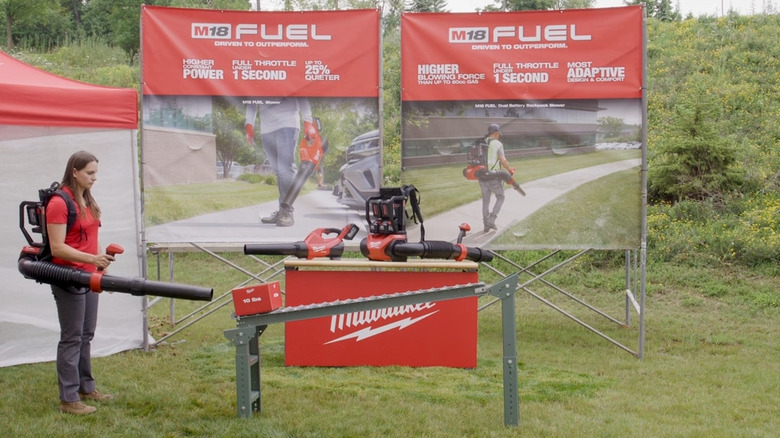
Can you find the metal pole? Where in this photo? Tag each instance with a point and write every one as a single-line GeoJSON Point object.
{"type": "Point", "coordinates": [643, 240]}
{"type": "Point", "coordinates": [509, 334]}
{"type": "Point", "coordinates": [628, 287]}
{"type": "Point", "coordinates": [381, 108]}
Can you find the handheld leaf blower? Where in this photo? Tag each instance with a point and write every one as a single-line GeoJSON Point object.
{"type": "Point", "coordinates": [314, 245]}
{"type": "Point", "coordinates": [311, 150]}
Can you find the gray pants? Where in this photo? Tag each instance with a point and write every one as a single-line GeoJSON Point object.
{"type": "Point", "coordinates": [77, 310]}
{"type": "Point", "coordinates": [494, 187]}
{"type": "Point", "coordinates": [279, 147]}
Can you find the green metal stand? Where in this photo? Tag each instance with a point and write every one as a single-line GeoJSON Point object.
{"type": "Point", "coordinates": [247, 342]}
{"type": "Point", "coordinates": [509, 337]}
{"type": "Point", "coordinates": [249, 328]}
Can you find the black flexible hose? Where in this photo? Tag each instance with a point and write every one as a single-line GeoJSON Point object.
{"type": "Point", "coordinates": [47, 272]}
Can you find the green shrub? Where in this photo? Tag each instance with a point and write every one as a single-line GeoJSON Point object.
{"type": "Point", "coordinates": [255, 178]}
{"type": "Point", "coordinates": [693, 160]}
{"type": "Point", "coordinates": [251, 178]}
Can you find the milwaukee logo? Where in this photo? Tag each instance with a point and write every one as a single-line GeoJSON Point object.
{"type": "Point", "coordinates": [363, 324]}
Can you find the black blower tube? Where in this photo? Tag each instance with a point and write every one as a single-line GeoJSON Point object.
{"type": "Point", "coordinates": [305, 170]}
{"type": "Point", "coordinates": [435, 249]}
{"type": "Point", "coordinates": [501, 174]}
{"type": "Point", "coordinates": [47, 272]}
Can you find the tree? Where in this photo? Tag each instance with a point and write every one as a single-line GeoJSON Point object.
{"type": "Point", "coordinates": [574, 4]}
{"type": "Point", "coordinates": [234, 5]}
{"type": "Point", "coordinates": [539, 5]}
{"type": "Point", "coordinates": [391, 94]}
{"type": "Point", "coordinates": [75, 7]}
{"type": "Point", "coordinates": [612, 127]}
{"type": "Point", "coordinates": [660, 9]}
{"type": "Point", "coordinates": [320, 5]}
{"type": "Point", "coordinates": [16, 10]}
{"type": "Point", "coordinates": [426, 6]}
{"type": "Point", "coordinates": [45, 30]}
{"type": "Point", "coordinates": [391, 16]}
{"type": "Point", "coordinates": [229, 132]}
{"type": "Point", "coordinates": [94, 18]}
{"type": "Point", "coordinates": [694, 161]}
{"type": "Point", "coordinates": [118, 22]}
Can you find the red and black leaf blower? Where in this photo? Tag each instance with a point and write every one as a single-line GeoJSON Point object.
{"type": "Point", "coordinates": [311, 150]}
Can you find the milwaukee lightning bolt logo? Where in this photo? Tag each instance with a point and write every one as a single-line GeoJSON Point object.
{"type": "Point", "coordinates": [344, 322]}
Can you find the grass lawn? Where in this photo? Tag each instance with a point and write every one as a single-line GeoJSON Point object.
{"type": "Point", "coordinates": [171, 203]}
{"type": "Point", "coordinates": [589, 215]}
{"type": "Point", "coordinates": [709, 367]}
{"type": "Point", "coordinates": [710, 370]}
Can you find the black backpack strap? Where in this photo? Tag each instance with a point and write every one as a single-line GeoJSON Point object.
{"type": "Point", "coordinates": [412, 194]}
{"type": "Point", "coordinates": [71, 204]}
{"type": "Point", "coordinates": [55, 190]}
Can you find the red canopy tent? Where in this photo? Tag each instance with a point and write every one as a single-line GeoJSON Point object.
{"type": "Point", "coordinates": [29, 96]}
{"type": "Point", "coordinates": [44, 118]}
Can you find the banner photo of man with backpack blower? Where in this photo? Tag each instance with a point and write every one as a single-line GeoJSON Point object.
{"type": "Point", "coordinates": [488, 169]}
{"type": "Point", "coordinates": [548, 104]}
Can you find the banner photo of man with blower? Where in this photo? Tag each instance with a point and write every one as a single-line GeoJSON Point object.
{"type": "Point", "coordinates": [279, 130]}
{"type": "Point", "coordinates": [257, 126]}
{"type": "Point", "coordinates": [548, 104]}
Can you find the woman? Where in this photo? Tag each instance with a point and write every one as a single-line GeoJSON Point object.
{"type": "Point", "coordinates": [76, 306]}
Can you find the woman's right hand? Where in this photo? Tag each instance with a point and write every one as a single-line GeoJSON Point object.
{"type": "Point", "coordinates": [102, 261]}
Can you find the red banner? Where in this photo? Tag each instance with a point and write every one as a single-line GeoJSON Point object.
{"type": "Point", "coordinates": [566, 54]}
{"type": "Point", "coordinates": [239, 53]}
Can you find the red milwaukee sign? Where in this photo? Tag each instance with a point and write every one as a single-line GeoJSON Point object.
{"type": "Point", "coordinates": [442, 333]}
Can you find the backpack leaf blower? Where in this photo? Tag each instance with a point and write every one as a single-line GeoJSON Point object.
{"type": "Point", "coordinates": [476, 168]}
{"type": "Point", "coordinates": [48, 272]}
{"type": "Point", "coordinates": [399, 250]}
{"type": "Point", "coordinates": [34, 261]}
{"type": "Point", "coordinates": [311, 150]}
{"type": "Point", "coordinates": [387, 232]}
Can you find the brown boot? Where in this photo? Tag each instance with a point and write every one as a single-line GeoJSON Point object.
{"type": "Point", "coordinates": [95, 395]}
{"type": "Point", "coordinates": [271, 219]}
{"type": "Point", "coordinates": [76, 408]}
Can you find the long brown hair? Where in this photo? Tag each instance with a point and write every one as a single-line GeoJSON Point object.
{"type": "Point", "coordinates": [78, 161]}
